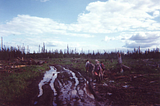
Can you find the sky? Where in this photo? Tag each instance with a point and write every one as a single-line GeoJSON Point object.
{"type": "Point", "coordinates": [80, 24]}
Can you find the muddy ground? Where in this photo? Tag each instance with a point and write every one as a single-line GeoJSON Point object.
{"type": "Point", "coordinates": [136, 90]}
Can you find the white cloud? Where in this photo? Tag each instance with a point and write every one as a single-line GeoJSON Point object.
{"type": "Point", "coordinates": [119, 15]}
{"type": "Point", "coordinates": [102, 17]}
{"type": "Point", "coordinates": [80, 35]}
{"type": "Point", "coordinates": [145, 37]}
{"type": "Point", "coordinates": [135, 39]}
{"type": "Point", "coordinates": [142, 45]}
{"type": "Point", "coordinates": [109, 38]}
{"type": "Point", "coordinates": [144, 40]}
{"type": "Point", "coordinates": [156, 13]}
{"type": "Point", "coordinates": [44, 0]}
{"type": "Point", "coordinates": [25, 24]}
{"type": "Point", "coordinates": [31, 25]}
{"type": "Point", "coordinates": [34, 30]}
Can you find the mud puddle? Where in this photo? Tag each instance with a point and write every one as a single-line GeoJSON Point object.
{"type": "Point", "coordinates": [61, 87]}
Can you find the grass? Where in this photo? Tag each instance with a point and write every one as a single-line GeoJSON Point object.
{"type": "Point", "coordinates": [13, 84]}
{"type": "Point", "coordinates": [143, 79]}
{"type": "Point", "coordinates": [141, 75]}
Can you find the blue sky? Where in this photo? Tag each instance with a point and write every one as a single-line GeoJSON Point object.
{"type": "Point", "coordinates": [82, 24]}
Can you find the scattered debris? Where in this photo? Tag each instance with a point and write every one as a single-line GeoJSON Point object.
{"type": "Point", "coordinates": [111, 81]}
{"type": "Point", "coordinates": [18, 66]}
{"type": "Point", "coordinates": [18, 63]}
{"type": "Point", "coordinates": [108, 93]}
{"type": "Point", "coordinates": [126, 86]}
{"type": "Point", "coordinates": [105, 84]}
{"type": "Point", "coordinates": [151, 81]}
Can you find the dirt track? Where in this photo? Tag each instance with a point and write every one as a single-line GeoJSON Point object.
{"type": "Point", "coordinates": [70, 87]}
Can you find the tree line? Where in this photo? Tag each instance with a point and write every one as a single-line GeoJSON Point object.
{"type": "Point", "coordinates": [12, 53]}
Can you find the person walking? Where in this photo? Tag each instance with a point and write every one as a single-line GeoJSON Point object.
{"type": "Point", "coordinates": [87, 66]}
{"type": "Point", "coordinates": [97, 71]}
{"type": "Point", "coordinates": [120, 62]}
{"type": "Point", "coordinates": [102, 71]}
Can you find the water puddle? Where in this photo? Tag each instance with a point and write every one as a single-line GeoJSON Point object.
{"type": "Point", "coordinates": [87, 91]}
{"type": "Point", "coordinates": [49, 77]}
{"type": "Point", "coordinates": [111, 81]}
{"type": "Point", "coordinates": [69, 88]}
{"type": "Point", "coordinates": [74, 76]}
{"type": "Point", "coordinates": [108, 93]}
{"type": "Point", "coordinates": [126, 86]}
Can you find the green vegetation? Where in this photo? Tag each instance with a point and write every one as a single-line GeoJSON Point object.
{"type": "Point", "coordinates": [144, 76]}
{"type": "Point", "coordinates": [13, 85]}
{"type": "Point", "coordinates": [142, 81]}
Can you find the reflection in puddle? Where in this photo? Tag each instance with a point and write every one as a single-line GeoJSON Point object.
{"type": "Point", "coordinates": [73, 91]}
{"type": "Point", "coordinates": [52, 83]}
{"type": "Point", "coordinates": [48, 78]}
{"type": "Point", "coordinates": [111, 81]}
{"type": "Point", "coordinates": [74, 76]}
{"type": "Point", "coordinates": [108, 93]}
{"type": "Point", "coordinates": [87, 90]}
{"type": "Point", "coordinates": [126, 86]}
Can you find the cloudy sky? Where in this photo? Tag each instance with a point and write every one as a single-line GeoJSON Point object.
{"type": "Point", "coordinates": [81, 24]}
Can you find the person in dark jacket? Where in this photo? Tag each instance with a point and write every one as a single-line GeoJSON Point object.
{"type": "Point", "coordinates": [97, 71]}
{"type": "Point", "coordinates": [89, 67]}
{"type": "Point", "coordinates": [102, 71]}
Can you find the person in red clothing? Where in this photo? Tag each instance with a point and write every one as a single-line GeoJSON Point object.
{"type": "Point", "coordinates": [102, 66]}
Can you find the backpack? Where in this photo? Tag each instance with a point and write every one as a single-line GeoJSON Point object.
{"type": "Point", "coordinates": [102, 65]}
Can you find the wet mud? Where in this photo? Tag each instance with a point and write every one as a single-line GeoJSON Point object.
{"type": "Point", "coordinates": [66, 86]}
{"type": "Point", "coordinates": [63, 87]}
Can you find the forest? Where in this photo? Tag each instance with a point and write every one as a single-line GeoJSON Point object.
{"type": "Point", "coordinates": [12, 52]}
